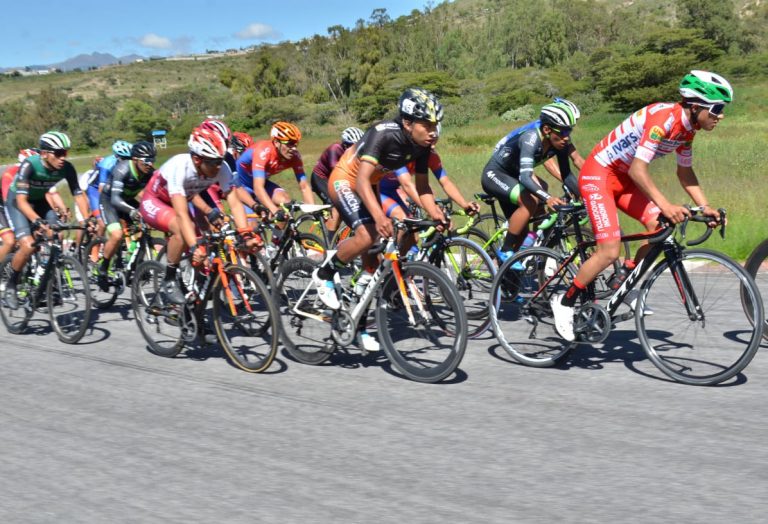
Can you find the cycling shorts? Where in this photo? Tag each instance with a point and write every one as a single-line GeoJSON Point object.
{"type": "Point", "coordinates": [390, 200]}
{"type": "Point", "coordinates": [156, 213]}
{"type": "Point", "coordinates": [20, 224]}
{"type": "Point", "coordinates": [343, 196]}
{"type": "Point", "coordinates": [110, 215]}
{"type": "Point", "coordinates": [502, 185]}
{"type": "Point", "coordinates": [604, 191]}
{"type": "Point", "coordinates": [320, 187]}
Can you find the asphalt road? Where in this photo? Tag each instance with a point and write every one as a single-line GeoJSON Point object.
{"type": "Point", "coordinates": [104, 431]}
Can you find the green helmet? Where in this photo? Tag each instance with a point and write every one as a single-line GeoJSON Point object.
{"type": "Point", "coordinates": [559, 114]}
{"type": "Point", "coordinates": [54, 140]}
{"type": "Point", "coordinates": [706, 87]}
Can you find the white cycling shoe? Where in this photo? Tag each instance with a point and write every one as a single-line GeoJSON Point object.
{"type": "Point", "coordinates": [326, 291]}
{"type": "Point", "coordinates": [563, 316]}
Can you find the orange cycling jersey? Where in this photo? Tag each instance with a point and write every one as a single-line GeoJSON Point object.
{"type": "Point", "coordinates": [651, 132]}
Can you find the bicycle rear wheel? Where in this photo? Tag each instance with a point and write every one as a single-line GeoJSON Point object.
{"type": "Point", "coordinates": [757, 266]}
{"type": "Point", "coordinates": [424, 334]}
{"type": "Point", "coordinates": [16, 320]}
{"type": "Point", "coordinates": [102, 298]}
{"type": "Point", "coordinates": [471, 270]}
{"type": "Point", "coordinates": [69, 300]}
{"type": "Point", "coordinates": [164, 326]}
{"type": "Point", "coordinates": [521, 315]}
{"type": "Point", "coordinates": [246, 319]}
{"type": "Point", "coordinates": [717, 345]}
{"type": "Point", "coordinates": [306, 322]}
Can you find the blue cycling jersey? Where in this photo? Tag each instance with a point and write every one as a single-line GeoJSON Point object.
{"type": "Point", "coordinates": [104, 166]}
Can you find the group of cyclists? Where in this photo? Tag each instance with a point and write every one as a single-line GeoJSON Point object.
{"type": "Point", "coordinates": [367, 177]}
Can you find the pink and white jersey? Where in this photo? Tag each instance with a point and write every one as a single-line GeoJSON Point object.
{"type": "Point", "coordinates": [178, 176]}
{"type": "Point", "coordinates": [651, 132]}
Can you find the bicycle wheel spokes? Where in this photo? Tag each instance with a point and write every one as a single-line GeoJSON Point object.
{"type": "Point", "coordinates": [424, 333]}
{"type": "Point", "coordinates": [162, 325]}
{"type": "Point", "coordinates": [15, 320]}
{"type": "Point", "coordinates": [471, 270]}
{"type": "Point", "coordinates": [101, 298]}
{"type": "Point", "coordinates": [721, 341]}
{"type": "Point", "coordinates": [306, 323]}
{"type": "Point", "coordinates": [521, 315]}
{"type": "Point", "coordinates": [69, 300]}
{"type": "Point", "coordinates": [246, 319]}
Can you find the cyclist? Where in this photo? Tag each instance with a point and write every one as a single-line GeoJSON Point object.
{"type": "Point", "coordinates": [238, 144]}
{"type": "Point", "coordinates": [328, 160]}
{"type": "Point", "coordinates": [551, 164]}
{"type": "Point", "coordinates": [165, 202]}
{"type": "Point", "coordinates": [6, 233]}
{"type": "Point", "coordinates": [509, 177]}
{"type": "Point", "coordinates": [217, 126]}
{"type": "Point", "coordinates": [385, 147]}
{"type": "Point", "coordinates": [27, 206]}
{"type": "Point", "coordinates": [267, 158]}
{"type": "Point", "coordinates": [616, 176]}
{"type": "Point", "coordinates": [121, 150]}
{"type": "Point", "coordinates": [118, 199]}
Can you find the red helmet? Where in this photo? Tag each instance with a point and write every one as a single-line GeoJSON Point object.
{"type": "Point", "coordinates": [26, 153]}
{"type": "Point", "coordinates": [285, 132]}
{"type": "Point", "coordinates": [241, 141]}
{"type": "Point", "coordinates": [217, 126]}
{"type": "Point", "coordinates": [206, 143]}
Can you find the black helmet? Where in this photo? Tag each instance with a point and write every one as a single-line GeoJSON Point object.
{"type": "Point", "coordinates": [144, 150]}
{"type": "Point", "coordinates": [420, 104]}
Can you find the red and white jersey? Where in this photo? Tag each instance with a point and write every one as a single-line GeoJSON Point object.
{"type": "Point", "coordinates": [651, 132]}
{"type": "Point", "coordinates": [178, 176]}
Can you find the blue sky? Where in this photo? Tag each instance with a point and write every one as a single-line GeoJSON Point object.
{"type": "Point", "coordinates": [48, 32]}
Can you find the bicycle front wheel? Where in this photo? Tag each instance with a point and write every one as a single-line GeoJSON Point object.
{"type": "Point", "coordinates": [163, 325]}
{"type": "Point", "coordinates": [105, 297]}
{"type": "Point", "coordinates": [423, 327]}
{"type": "Point", "coordinates": [757, 266]}
{"type": "Point", "coordinates": [69, 300]}
{"type": "Point", "coordinates": [16, 319]}
{"type": "Point", "coordinates": [246, 319]}
{"type": "Point", "coordinates": [521, 314]}
{"type": "Point", "coordinates": [698, 332]}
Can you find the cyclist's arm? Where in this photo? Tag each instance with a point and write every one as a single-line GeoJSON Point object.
{"type": "Point", "coordinates": [246, 198]}
{"type": "Point", "coordinates": [259, 189]}
{"type": "Point", "coordinates": [427, 197]}
{"type": "Point", "coordinates": [576, 158]}
{"type": "Point", "coordinates": [55, 200]}
{"type": "Point", "coordinates": [453, 192]}
{"type": "Point", "coordinates": [21, 184]}
{"type": "Point", "coordinates": [81, 201]}
{"type": "Point", "coordinates": [638, 172]}
{"type": "Point", "coordinates": [690, 183]}
{"type": "Point", "coordinates": [306, 192]}
{"type": "Point", "coordinates": [406, 182]}
{"type": "Point", "coordinates": [116, 193]}
{"type": "Point", "coordinates": [237, 210]}
{"type": "Point", "coordinates": [187, 229]}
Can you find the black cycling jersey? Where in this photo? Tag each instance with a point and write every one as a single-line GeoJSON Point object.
{"type": "Point", "coordinates": [124, 182]}
{"type": "Point", "coordinates": [518, 153]}
{"type": "Point", "coordinates": [388, 147]}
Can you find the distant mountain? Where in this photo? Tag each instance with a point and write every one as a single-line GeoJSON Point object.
{"type": "Point", "coordinates": [83, 61]}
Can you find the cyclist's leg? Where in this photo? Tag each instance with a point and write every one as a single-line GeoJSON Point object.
{"type": "Point", "coordinates": [394, 207]}
{"type": "Point", "coordinates": [506, 188]}
{"type": "Point", "coordinates": [6, 234]}
{"type": "Point", "coordinates": [320, 187]}
{"type": "Point", "coordinates": [161, 216]}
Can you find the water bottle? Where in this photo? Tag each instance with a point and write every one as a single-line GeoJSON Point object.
{"type": "Point", "coordinates": [412, 253]}
{"type": "Point", "coordinates": [530, 239]}
{"type": "Point", "coordinates": [132, 246]}
{"type": "Point", "coordinates": [362, 283]}
{"type": "Point", "coordinates": [618, 278]}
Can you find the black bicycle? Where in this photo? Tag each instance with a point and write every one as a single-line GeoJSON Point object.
{"type": "Point", "coordinates": [50, 281]}
{"type": "Point", "coordinates": [688, 308]}
{"type": "Point", "coordinates": [757, 266]}
{"type": "Point", "coordinates": [137, 246]}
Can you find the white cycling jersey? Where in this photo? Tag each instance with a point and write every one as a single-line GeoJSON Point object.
{"type": "Point", "coordinates": [178, 176]}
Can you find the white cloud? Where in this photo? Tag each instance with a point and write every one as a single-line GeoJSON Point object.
{"type": "Point", "coordinates": [154, 41]}
{"type": "Point", "coordinates": [257, 32]}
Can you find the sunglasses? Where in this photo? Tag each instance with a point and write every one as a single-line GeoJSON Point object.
{"type": "Point", "coordinates": [715, 109]}
{"type": "Point", "coordinates": [147, 161]}
{"type": "Point", "coordinates": [564, 133]}
{"type": "Point", "coordinates": [216, 162]}
{"type": "Point", "coordinates": [290, 144]}
{"type": "Point", "coordinates": [59, 153]}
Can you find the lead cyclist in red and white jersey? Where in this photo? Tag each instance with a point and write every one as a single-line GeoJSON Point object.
{"type": "Point", "coordinates": [615, 175]}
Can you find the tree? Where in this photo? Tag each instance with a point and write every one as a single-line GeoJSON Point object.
{"type": "Point", "coordinates": [716, 19]}
{"type": "Point", "coordinates": [136, 120]}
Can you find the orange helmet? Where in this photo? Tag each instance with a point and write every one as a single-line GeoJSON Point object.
{"type": "Point", "coordinates": [285, 132]}
{"type": "Point", "coordinates": [241, 141]}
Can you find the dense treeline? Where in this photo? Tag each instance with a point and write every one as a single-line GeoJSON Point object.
{"type": "Point", "coordinates": [481, 56]}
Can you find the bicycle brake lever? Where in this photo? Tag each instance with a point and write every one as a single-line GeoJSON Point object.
{"type": "Point", "coordinates": [721, 211]}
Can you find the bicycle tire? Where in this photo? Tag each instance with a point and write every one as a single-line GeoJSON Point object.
{"type": "Point", "coordinates": [307, 340]}
{"type": "Point", "coordinates": [250, 335]}
{"type": "Point", "coordinates": [432, 349]}
{"type": "Point", "coordinates": [521, 315]}
{"type": "Point", "coordinates": [160, 324]}
{"type": "Point", "coordinates": [101, 299]}
{"type": "Point", "coordinates": [69, 300]}
{"type": "Point", "coordinates": [472, 271]}
{"type": "Point", "coordinates": [16, 320]}
{"type": "Point", "coordinates": [757, 259]}
{"type": "Point", "coordinates": [703, 352]}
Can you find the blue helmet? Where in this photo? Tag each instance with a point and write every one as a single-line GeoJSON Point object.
{"type": "Point", "coordinates": [122, 149]}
